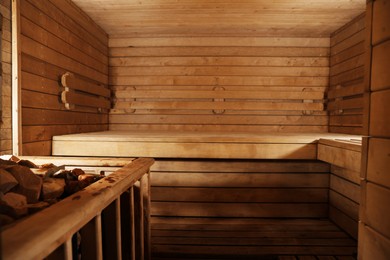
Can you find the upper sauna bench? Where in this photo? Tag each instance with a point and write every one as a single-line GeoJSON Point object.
{"type": "Point", "coordinates": [216, 145]}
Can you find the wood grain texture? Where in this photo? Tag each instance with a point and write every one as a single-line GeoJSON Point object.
{"type": "Point", "coordinates": [58, 37]}
{"type": "Point", "coordinates": [223, 18]}
{"type": "Point", "coordinates": [211, 76]}
{"type": "Point", "coordinates": [346, 90]}
{"type": "Point", "coordinates": [5, 93]}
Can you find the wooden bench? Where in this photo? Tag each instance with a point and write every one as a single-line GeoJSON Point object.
{"type": "Point", "coordinates": [192, 145]}
{"type": "Point", "coordinates": [267, 191]}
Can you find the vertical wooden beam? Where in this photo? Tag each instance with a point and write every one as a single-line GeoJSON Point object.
{"type": "Point", "coordinates": [16, 80]}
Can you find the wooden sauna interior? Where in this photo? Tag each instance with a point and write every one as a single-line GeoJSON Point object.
{"type": "Point", "coordinates": [267, 119]}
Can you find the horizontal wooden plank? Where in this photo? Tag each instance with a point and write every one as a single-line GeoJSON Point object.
{"type": "Point", "coordinates": [204, 137]}
{"type": "Point", "coordinates": [352, 176]}
{"type": "Point", "coordinates": [185, 150]}
{"type": "Point", "coordinates": [220, 61]}
{"type": "Point", "coordinates": [277, 180]}
{"type": "Point", "coordinates": [251, 241]}
{"type": "Point", "coordinates": [345, 205]}
{"type": "Point", "coordinates": [347, 43]}
{"type": "Point", "coordinates": [346, 223]}
{"type": "Point", "coordinates": [231, 231]}
{"type": "Point", "coordinates": [219, 41]}
{"type": "Point", "coordinates": [356, 25]}
{"type": "Point", "coordinates": [232, 70]}
{"type": "Point", "coordinates": [39, 34]}
{"type": "Point", "coordinates": [348, 76]}
{"type": "Point", "coordinates": [344, 158]}
{"type": "Point", "coordinates": [218, 119]}
{"type": "Point", "coordinates": [57, 28]}
{"type": "Point", "coordinates": [244, 251]}
{"type": "Point", "coordinates": [346, 120]}
{"type": "Point", "coordinates": [62, 18]}
{"type": "Point", "coordinates": [46, 54]}
{"type": "Point", "coordinates": [351, 103]}
{"type": "Point", "coordinates": [219, 105]}
{"type": "Point", "coordinates": [349, 64]}
{"type": "Point", "coordinates": [225, 94]}
{"type": "Point", "coordinates": [225, 128]}
{"type": "Point", "coordinates": [220, 80]}
{"type": "Point", "coordinates": [354, 143]}
{"type": "Point", "coordinates": [346, 90]}
{"type": "Point", "coordinates": [74, 82]}
{"type": "Point", "coordinates": [242, 210]}
{"type": "Point", "coordinates": [80, 99]}
{"type": "Point", "coordinates": [32, 116]}
{"type": "Point", "coordinates": [354, 130]}
{"type": "Point", "coordinates": [210, 51]}
{"type": "Point", "coordinates": [248, 195]}
{"type": "Point", "coordinates": [46, 132]}
{"type": "Point", "coordinates": [82, 19]}
{"type": "Point", "coordinates": [345, 188]}
{"type": "Point", "coordinates": [40, 84]}
{"type": "Point", "coordinates": [239, 166]}
{"type": "Point", "coordinates": [37, 148]}
{"type": "Point", "coordinates": [348, 53]}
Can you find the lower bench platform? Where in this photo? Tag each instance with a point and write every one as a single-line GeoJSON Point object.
{"type": "Point", "coordinates": [208, 238]}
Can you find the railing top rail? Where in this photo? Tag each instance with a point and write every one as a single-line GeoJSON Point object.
{"type": "Point", "coordinates": [38, 235]}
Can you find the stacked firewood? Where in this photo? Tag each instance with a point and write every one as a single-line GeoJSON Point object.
{"type": "Point", "coordinates": [26, 188]}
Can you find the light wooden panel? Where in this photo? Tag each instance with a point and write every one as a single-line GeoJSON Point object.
{"type": "Point", "coordinates": [202, 206]}
{"type": "Point", "coordinates": [344, 188]}
{"type": "Point", "coordinates": [5, 94]}
{"type": "Point", "coordinates": [199, 192]}
{"type": "Point", "coordinates": [221, 17]}
{"type": "Point", "coordinates": [57, 37]}
{"type": "Point", "coordinates": [374, 230]}
{"type": "Point", "coordinates": [262, 84]}
{"type": "Point", "coordinates": [345, 95]}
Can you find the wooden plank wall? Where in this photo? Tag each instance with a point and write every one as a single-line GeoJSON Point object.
{"type": "Point", "coordinates": [199, 198]}
{"type": "Point", "coordinates": [57, 37]}
{"type": "Point", "coordinates": [345, 95]}
{"type": "Point", "coordinates": [344, 188]}
{"type": "Point", "coordinates": [201, 188]}
{"type": "Point", "coordinates": [374, 233]}
{"type": "Point", "coordinates": [219, 83]}
{"type": "Point", "coordinates": [5, 93]}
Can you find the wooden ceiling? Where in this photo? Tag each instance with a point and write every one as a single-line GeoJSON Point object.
{"type": "Point", "coordinates": [315, 18]}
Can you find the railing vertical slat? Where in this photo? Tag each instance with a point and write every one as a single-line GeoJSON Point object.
{"type": "Point", "coordinates": [99, 239]}
{"type": "Point", "coordinates": [145, 182]}
{"type": "Point", "coordinates": [91, 235]}
{"type": "Point", "coordinates": [118, 228]}
{"type": "Point", "coordinates": [139, 220]}
{"type": "Point", "coordinates": [68, 253]}
{"type": "Point", "coordinates": [109, 228]}
{"type": "Point", "coordinates": [132, 223]}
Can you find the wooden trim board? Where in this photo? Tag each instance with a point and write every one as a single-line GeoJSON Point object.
{"type": "Point", "coordinates": [191, 145]}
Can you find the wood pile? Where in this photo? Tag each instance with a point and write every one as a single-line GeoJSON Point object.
{"type": "Point", "coordinates": [26, 188]}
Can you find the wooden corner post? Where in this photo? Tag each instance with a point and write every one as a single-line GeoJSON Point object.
{"type": "Point", "coordinates": [16, 80]}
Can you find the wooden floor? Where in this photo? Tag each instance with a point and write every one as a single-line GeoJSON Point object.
{"type": "Point", "coordinates": [215, 238]}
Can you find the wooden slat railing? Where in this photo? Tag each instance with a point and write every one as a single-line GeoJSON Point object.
{"type": "Point", "coordinates": [110, 216]}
